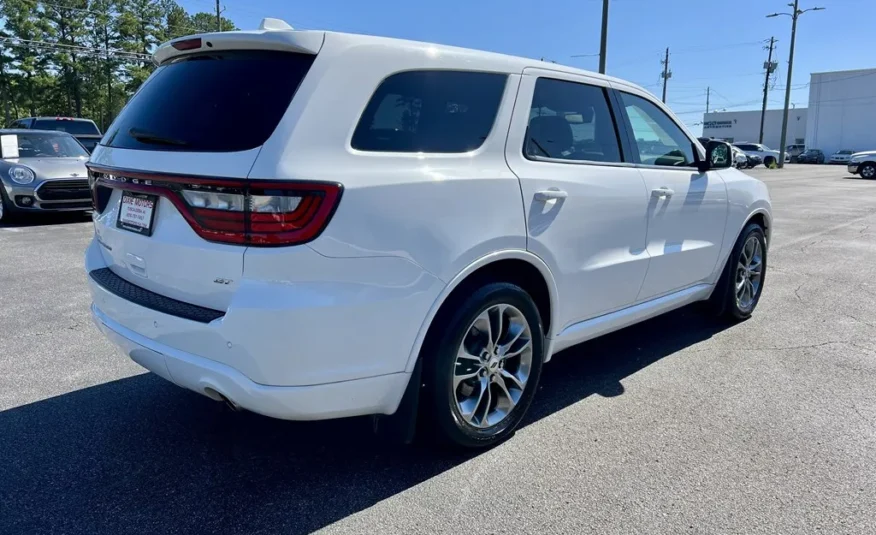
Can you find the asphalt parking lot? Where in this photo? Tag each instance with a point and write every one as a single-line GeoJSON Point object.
{"type": "Point", "coordinates": [674, 426]}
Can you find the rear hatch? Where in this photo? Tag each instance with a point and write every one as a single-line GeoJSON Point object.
{"type": "Point", "coordinates": [169, 179]}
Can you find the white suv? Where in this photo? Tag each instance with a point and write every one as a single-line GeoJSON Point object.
{"type": "Point", "coordinates": [768, 155]}
{"type": "Point", "coordinates": [315, 225]}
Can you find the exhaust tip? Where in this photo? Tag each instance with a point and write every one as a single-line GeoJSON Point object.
{"type": "Point", "coordinates": [219, 396]}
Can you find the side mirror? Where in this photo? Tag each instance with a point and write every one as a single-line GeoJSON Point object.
{"type": "Point", "coordinates": [719, 155]}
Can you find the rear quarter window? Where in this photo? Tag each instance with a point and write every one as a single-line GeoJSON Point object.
{"type": "Point", "coordinates": [430, 111]}
{"type": "Point", "coordinates": [211, 102]}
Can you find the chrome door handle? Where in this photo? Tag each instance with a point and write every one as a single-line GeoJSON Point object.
{"type": "Point", "coordinates": [662, 193]}
{"type": "Point", "coordinates": [550, 195]}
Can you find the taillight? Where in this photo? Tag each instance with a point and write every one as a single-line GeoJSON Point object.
{"type": "Point", "coordinates": [246, 212]}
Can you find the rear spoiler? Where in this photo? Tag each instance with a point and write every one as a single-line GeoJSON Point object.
{"type": "Point", "coordinates": [273, 34]}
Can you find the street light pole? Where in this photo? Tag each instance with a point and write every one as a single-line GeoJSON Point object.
{"type": "Point", "coordinates": [794, 16]}
{"type": "Point", "coordinates": [603, 42]}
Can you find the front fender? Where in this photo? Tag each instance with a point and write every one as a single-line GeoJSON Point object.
{"type": "Point", "coordinates": [747, 197]}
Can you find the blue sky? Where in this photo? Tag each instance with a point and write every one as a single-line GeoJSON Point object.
{"type": "Point", "coordinates": [714, 43]}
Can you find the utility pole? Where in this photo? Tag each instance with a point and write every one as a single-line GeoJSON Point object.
{"type": "Point", "coordinates": [708, 90]}
{"type": "Point", "coordinates": [796, 14]}
{"type": "Point", "coordinates": [770, 66]}
{"type": "Point", "coordinates": [603, 42]}
{"type": "Point", "coordinates": [218, 17]}
{"type": "Point", "coordinates": [667, 74]}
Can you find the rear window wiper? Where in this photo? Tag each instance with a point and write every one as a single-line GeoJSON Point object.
{"type": "Point", "coordinates": [148, 137]}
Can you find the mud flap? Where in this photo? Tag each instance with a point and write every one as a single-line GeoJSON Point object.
{"type": "Point", "coordinates": [401, 427]}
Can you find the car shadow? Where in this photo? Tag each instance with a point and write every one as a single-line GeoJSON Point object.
{"type": "Point", "coordinates": [858, 177]}
{"type": "Point", "coordinates": [20, 220]}
{"type": "Point", "coordinates": [139, 455]}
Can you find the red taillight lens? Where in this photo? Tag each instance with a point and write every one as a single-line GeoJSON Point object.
{"type": "Point", "coordinates": [187, 44]}
{"type": "Point", "coordinates": [252, 212]}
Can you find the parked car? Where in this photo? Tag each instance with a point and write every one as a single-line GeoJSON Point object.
{"type": "Point", "coordinates": [794, 151]}
{"type": "Point", "coordinates": [42, 171]}
{"type": "Point", "coordinates": [418, 242]}
{"type": "Point", "coordinates": [84, 130]}
{"type": "Point", "coordinates": [740, 159]}
{"type": "Point", "coordinates": [754, 160]}
{"type": "Point", "coordinates": [766, 154]}
{"type": "Point", "coordinates": [841, 156]}
{"type": "Point", "coordinates": [811, 156]}
{"type": "Point", "coordinates": [863, 163]}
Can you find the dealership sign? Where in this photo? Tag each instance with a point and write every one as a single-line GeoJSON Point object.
{"type": "Point", "coordinates": [718, 124]}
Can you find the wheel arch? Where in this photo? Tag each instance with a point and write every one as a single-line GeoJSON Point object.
{"type": "Point", "coordinates": [517, 266]}
{"type": "Point", "coordinates": [762, 217]}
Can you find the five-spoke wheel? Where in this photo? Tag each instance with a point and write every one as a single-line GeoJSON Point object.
{"type": "Point", "coordinates": [482, 364]}
{"type": "Point", "coordinates": [492, 366]}
{"type": "Point", "coordinates": [749, 272]}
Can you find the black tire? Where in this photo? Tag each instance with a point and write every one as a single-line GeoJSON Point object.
{"type": "Point", "coordinates": [6, 209]}
{"type": "Point", "coordinates": [868, 170]}
{"type": "Point", "coordinates": [440, 412]}
{"type": "Point", "coordinates": [723, 301]}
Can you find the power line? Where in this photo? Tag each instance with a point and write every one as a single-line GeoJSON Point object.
{"type": "Point", "coordinates": [33, 43]}
{"type": "Point", "coordinates": [108, 14]}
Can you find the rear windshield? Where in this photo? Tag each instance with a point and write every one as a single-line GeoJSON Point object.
{"type": "Point", "coordinates": [67, 125]}
{"type": "Point", "coordinates": [213, 102]}
{"type": "Point", "coordinates": [430, 111]}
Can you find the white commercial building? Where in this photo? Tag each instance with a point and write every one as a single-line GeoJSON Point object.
{"type": "Point", "coordinates": [738, 126]}
{"type": "Point", "coordinates": [841, 115]}
{"type": "Point", "coordinates": [842, 111]}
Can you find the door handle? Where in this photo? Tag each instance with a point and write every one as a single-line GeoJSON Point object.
{"type": "Point", "coordinates": [662, 193]}
{"type": "Point", "coordinates": [550, 195]}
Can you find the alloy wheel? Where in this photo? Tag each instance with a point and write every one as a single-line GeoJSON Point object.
{"type": "Point", "coordinates": [868, 171]}
{"type": "Point", "coordinates": [749, 273]}
{"type": "Point", "coordinates": [492, 366]}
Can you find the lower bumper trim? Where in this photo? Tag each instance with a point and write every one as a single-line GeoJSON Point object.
{"type": "Point", "coordinates": [372, 395]}
{"type": "Point", "coordinates": [151, 300]}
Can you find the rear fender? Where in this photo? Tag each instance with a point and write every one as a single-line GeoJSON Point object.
{"type": "Point", "coordinates": [515, 254]}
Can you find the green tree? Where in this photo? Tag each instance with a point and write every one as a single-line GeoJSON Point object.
{"type": "Point", "coordinates": [84, 57]}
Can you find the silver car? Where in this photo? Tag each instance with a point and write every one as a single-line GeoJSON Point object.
{"type": "Point", "coordinates": [40, 171]}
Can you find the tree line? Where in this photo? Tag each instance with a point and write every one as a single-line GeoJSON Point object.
{"type": "Point", "coordinates": [84, 58]}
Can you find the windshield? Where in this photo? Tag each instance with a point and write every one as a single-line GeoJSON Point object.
{"type": "Point", "coordinates": [844, 152]}
{"type": "Point", "coordinates": [67, 125]}
{"type": "Point", "coordinates": [49, 146]}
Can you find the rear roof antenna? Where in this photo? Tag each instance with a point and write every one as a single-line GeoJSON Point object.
{"type": "Point", "coordinates": [270, 24]}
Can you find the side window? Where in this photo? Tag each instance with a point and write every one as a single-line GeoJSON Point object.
{"type": "Point", "coordinates": [571, 121]}
{"type": "Point", "coordinates": [658, 139]}
{"type": "Point", "coordinates": [430, 111]}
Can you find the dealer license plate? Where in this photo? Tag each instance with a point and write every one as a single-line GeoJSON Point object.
{"type": "Point", "coordinates": [137, 212]}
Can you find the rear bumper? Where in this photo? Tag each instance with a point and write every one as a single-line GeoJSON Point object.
{"type": "Point", "coordinates": [373, 395]}
{"type": "Point", "coordinates": [332, 346]}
